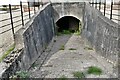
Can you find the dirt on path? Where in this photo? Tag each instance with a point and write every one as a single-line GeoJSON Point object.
{"type": "Point", "coordinates": [69, 55]}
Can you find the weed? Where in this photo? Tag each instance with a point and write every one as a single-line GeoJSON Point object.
{"type": "Point", "coordinates": [78, 74]}
{"type": "Point", "coordinates": [72, 49]}
{"type": "Point", "coordinates": [66, 32]}
{"type": "Point", "coordinates": [34, 65]}
{"type": "Point", "coordinates": [63, 77]}
{"type": "Point", "coordinates": [94, 70]}
{"type": "Point", "coordinates": [88, 48]}
{"type": "Point", "coordinates": [62, 47]}
{"type": "Point", "coordinates": [22, 74]}
{"type": "Point", "coordinates": [7, 52]}
{"type": "Point", "coordinates": [77, 32]}
{"type": "Point", "coordinates": [14, 77]}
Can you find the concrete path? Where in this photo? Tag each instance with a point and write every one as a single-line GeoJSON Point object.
{"type": "Point", "coordinates": [73, 58]}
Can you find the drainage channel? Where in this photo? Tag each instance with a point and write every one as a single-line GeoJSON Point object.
{"type": "Point", "coordinates": [71, 58]}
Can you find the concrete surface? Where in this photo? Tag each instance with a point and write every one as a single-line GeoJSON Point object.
{"type": "Point", "coordinates": [65, 62]}
{"type": "Point", "coordinates": [38, 34]}
{"type": "Point", "coordinates": [102, 33]}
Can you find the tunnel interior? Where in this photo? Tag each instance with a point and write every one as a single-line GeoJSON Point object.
{"type": "Point", "coordinates": [68, 23]}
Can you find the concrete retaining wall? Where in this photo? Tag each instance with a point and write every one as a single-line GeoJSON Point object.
{"type": "Point", "coordinates": [37, 36]}
{"type": "Point", "coordinates": [102, 33]}
{"type": "Point", "coordinates": [33, 38]}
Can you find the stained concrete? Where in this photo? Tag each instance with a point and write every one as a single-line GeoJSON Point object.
{"type": "Point", "coordinates": [65, 62]}
{"type": "Point", "coordinates": [102, 33]}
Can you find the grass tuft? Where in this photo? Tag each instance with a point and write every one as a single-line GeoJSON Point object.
{"type": "Point", "coordinates": [63, 77]}
{"type": "Point", "coordinates": [34, 65]}
{"type": "Point", "coordinates": [72, 49]}
{"type": "Point", "coordinates": [78, 74]}
{"type": "Point", "coordinates": [63, 32]}
{"type": "Point", "coordinates": [66, 32]}
{"type": "Point", "coordinates": [62, 47]}
{"type": "Point", "coordinates": [77, 32]}
{"type": "Point", "coordinates": [94, 70]}
{"type": "Point", "coordinates": [7, 52]}
{"type": "Point", "coordinates": [88, 48]}
{"type": "Point", "coordinates": [22, 74]}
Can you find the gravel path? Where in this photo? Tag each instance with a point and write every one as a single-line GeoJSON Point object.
{"type": "Point", "coordinates": [65, 62]}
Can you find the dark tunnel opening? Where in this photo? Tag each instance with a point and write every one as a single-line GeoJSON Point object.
{"type": "Point", "coordinates": [68, 23]}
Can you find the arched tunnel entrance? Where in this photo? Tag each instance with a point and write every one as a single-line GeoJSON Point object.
{"type": "Point", "coordinates": [68, 23]}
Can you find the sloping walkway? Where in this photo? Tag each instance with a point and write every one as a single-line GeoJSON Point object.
{"type": "Point", "coordinates": [74, 57]}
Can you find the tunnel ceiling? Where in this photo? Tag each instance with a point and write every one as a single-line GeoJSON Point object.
{"type": "Point", "coordinates": [68, 23]}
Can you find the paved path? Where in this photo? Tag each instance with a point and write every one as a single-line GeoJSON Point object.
{"type": "Point", "coordinates": [65, 62]}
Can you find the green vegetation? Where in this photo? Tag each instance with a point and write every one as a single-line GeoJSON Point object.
{"type": "Point", "coordinates": [66, 32]}
{"type": "Point", "coordinates": [7, 52]}
{"type": "Point", "coordinates": [77, 32]}
{"type": "Point", "coordinates": [22, 74]}
{"type": "Point", "coordinates": [34, 65]}
{"type": "Point", "coordinates": [63, 77]}
{"type": "Point", "coordinates": [91, 70]}
{"type": "Point", "coordinates": [78, 74]}
{"type": "Point", "coordinates": [62, 47]}
{"type": "Point", "coordinates": [94, 70]}
{"type": "Point", "coordinates": [72, 49]}
{"type": "Point", "coordinates": [88, 48]}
